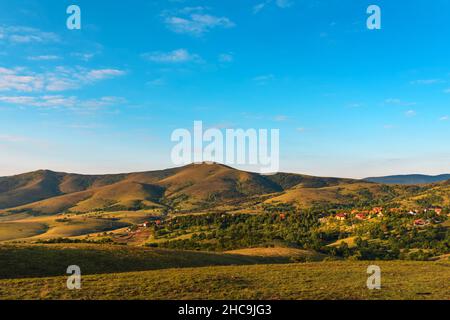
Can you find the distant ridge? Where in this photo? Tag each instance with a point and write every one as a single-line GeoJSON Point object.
{"type": "Point", "coordinates": [409, 179]}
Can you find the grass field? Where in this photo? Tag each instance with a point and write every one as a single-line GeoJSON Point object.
{"type": "Point", "coordinates": [320, 280]}
{"type": "Point", "coordinates": [27, 261]}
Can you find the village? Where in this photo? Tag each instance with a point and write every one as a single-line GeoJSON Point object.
{"type": "Point", "coordinates": [379, 212]}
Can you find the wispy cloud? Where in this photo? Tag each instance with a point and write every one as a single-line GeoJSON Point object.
{"type": "Point", "coordinates": [281, 118]}
{"type": "Point", "coordinates": [194, 21]}
{"type": "Point", "coordinates": [60, 101]}
{"type": "Point", "coordinates": [12, 138]}
{"type": "Point", "coordinates": [427, 81]}
{"type": "Point", "coordinates": [21, 35]}
{"type": "Point", "coordinates": [83, 56]}
{"type": "Point", "coordinates": [175, 56]}
{"type": "Point", "coordinates": [16, 80]}
{"type": "Point", "coordinates": [44, 58]}
{"type": "Point", "coordinates": [444, 118]}
{"type": "Point", "coordinates": [102, 74]}
{"type": "Point", "coordinates": [260, 6]}
{"type": "Point", "coordinates": [263, 79]}
{"type": "Point", "coordinates": [59, 79]}
{"type": "Point", "coordinates": [226, 57]}
{"type": "Point", "coordinates": [283, 4]}
{"type": "Point", "coordinates": [157, 82]}
{"type": "Point", "coordinates": [399, 102]}
{"type": "Point", "coordinates": [410, 113]}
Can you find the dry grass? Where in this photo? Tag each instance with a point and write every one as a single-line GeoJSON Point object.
{"type": "Point", "coordinates": [20, 261]}
{"type": "Point", "coordinates": [290, 253]}
{"type": "Point", "coordinates": [322, 280]}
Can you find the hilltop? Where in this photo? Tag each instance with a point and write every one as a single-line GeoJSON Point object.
{"type": "Point", "coordinates": [195, 187]}
{"type": "Point", "coordinates": [192, 186]}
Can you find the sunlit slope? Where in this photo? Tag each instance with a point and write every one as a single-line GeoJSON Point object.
{"type": "Point", "coordinates": [196, 187]}
{"type": "Point", "coordinates": [17, 230]}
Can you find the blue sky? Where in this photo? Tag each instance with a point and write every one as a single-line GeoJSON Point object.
{"type": "Point", "coordinates": [348, 101]}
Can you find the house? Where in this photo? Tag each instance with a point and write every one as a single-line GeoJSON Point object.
{"type": "Point", "coordinates": [420, 223]}
{"type": "Point", "coordinates": [146, 224]}
{"type": "Point", "coordinates": [361, 216]}
{"type": "Point", "coordinates": [341, 216]}
{"type": "Point", "coordinates": [437, 210]}
{"type": "Point", "coordinates": [413, 213]}
{"type": "Point", "coordinates": [377, 210]}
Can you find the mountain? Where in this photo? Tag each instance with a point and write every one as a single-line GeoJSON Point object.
{"type": "Point", "coordinates": [198, 187]}
{"type": "Point", "coordinates": [409, 179]}
{"type": "Point", "coordinates": [189, 187]}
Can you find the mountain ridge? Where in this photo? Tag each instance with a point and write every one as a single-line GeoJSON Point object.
{"type": "Point", "coordinates": [195, 184]}
{"type": "Point", "coordinates": [410, 179]}
{"type": "Point", "coordinates": [193, 187]}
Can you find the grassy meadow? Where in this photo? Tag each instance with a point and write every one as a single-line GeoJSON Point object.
{"type": "Point", "coordinates": [335, 280]}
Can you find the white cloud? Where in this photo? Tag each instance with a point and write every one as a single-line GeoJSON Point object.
{"type": "Point", "coordinates": [101, 74]}
{"type": "Point", "coordinates": [426, 81]}
{"type": "Point", "coordinates": [410, 113]}
{"type": "Point", "coordinates": [175, 56]}
{"type": "Point", "coordinates": [444, 118]}
{"type": "Point", "coordinates": [42, 101]}
{"type": "Point", "coordinates": [14, 80]}
{"type": "Point", "coordinates": [59, 79]}
{"type": "Point", "coordinates": [60, 101]}
{"type": "Point", "coordinates": [399, 102]}
{"type": "Point", "coordinates": [264, 79]}
{"type": "Point", "coordinates": [21, 35]}
{"type": "Point", "coordinates": [12, 138]}
{"type": "Point", "coordinates": [283, 4]}
{"type": "Point", "coordinates": [44, 58]}
{"type": "Point", "coordinates": [83, 56]}
{"type": "Point", "coordinates": [102, 102]}
{"type": "Point", "coordinates": [194, 21]}
{"type": "Point", "coordinates": [281, 118]}
{"type": "Point", "coordinates": [226, 57]}
{"type": "Point", "coordinates": [257, 8]}
{"type": "Point", "coordinates": [156, 82]}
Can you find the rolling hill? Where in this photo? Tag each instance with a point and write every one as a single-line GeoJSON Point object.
{"type": "Point", "coordinates": [196, 187]}
{"type": "Point", "coordinates": [189, 187]}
